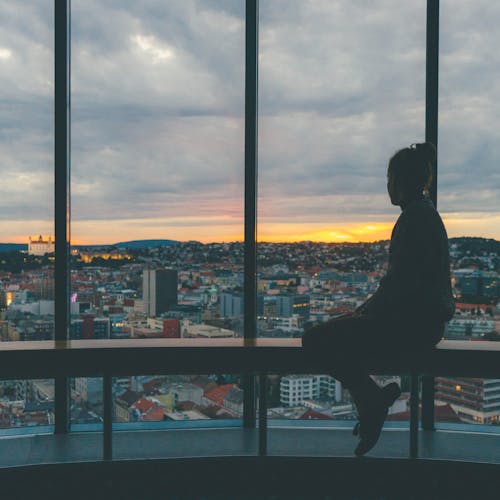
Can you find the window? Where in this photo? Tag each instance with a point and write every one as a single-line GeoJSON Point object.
{"type": "Point", "coordinates": [27, 226]}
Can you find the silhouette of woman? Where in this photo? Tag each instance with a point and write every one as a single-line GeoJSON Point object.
{"type": "Point", "coordinates": [408, 311]}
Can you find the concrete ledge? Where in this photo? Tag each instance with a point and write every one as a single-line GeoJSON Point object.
{"type": "Point", "coordinates": [254, 477]}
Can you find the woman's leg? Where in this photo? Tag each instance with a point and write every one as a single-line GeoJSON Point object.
{"type": "Point", "coordinates": [343, 343]}
{"type": "Point", "coordinates": [348, 341]}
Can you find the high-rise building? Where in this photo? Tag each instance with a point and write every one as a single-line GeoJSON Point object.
{"type": "Point", "coordinates": [44, 288]}
{"type": "Point", "coordinates": [159, 290]}
{"type": "Point", "coordinates": [232, 304]}
{"type": "Point", "coordinates": [474, 400]}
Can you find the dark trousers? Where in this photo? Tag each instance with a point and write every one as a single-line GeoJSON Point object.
{"type": "Point", "coordinates": [346, 343]}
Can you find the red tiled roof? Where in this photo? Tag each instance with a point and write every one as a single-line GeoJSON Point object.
{"type": "Point", "coordinates": [314, 415]}
{"type": "Point", "coordinates": [218, 393]}
{"type": "Point", "coordinates": [154, 415]}
{"type": "Point", "coordinates": [129, 397]}
{"type": "Point", "coordinates": [204, 382]}
{"type": "Point", "coordinates": [151, 384]}
{"type": "Point", "coordinates": [143, 405]}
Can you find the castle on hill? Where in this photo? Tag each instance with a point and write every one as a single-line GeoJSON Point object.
{"type": "Point", "coordinates": [41, 246]}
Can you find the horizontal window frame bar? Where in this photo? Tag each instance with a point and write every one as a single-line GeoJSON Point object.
{"type": "Point", "coordinates": [48, 359]}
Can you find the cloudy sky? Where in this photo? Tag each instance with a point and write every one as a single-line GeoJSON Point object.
{"type": "Point", "coordinates": [158, 117]}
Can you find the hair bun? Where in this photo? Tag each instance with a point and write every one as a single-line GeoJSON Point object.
{"type": "Point", "coordinates": [427, 151]}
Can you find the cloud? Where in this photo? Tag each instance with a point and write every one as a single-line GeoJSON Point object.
{"type": "Point", "coordinates": [158, 113]}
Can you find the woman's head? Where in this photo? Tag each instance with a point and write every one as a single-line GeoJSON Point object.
{"type": "Point", "coordinates": [409, 174]}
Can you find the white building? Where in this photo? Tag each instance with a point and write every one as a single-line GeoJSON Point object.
{"type": "Point", "coordinates": [288, 324]}
{"type": "Point", "coordinates": [295, 390]}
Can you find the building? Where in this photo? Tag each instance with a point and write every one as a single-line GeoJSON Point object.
{"type": "Point", "coordinates": [466, 327]}
{"type": "Point", "coordinates": [41, 246]}
{"type": "Point", "coordinates": [44, 288]}
{"type": "Point", "coordinates": [289, 324]}
{"type": "Point", "coordinates": [39, 329]}
{"type": "Point", "coordinates": [295, 390]}
{"type": "Point", "coordinates": [76, 329]}
{"type": "Point", "coordinates": [119, 329]}
{"type": "Point", "coordinates": [89, 389]}
{"type": "Point", "coordinates": [203, 331]}
{"type": "Point", "coordinates": [474, 282]}
{"type": "Point", "coordinates": [171, 329]}
{"type": "Point", "coordinates": [231, 304]}
{"type": "Point", "coordinates": [288, 305]}
{"type": "Point", "coordinates": [101, 328]}
{"type": "Point", "coordinates": [159, 290]}
{"type": "Point", "coordinates": [190, 312]}
{"type": "Point", "coordinates": [474, 400]}
{"type": "Point", "coordinates": [185, 391]}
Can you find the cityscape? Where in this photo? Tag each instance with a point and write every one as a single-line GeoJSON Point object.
{"type": "Point", "coordinates": [171, 289]}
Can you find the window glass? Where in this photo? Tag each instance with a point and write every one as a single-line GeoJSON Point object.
{"type": "Point", "coordinates": [468, 195]}
{"type": "Point", "coordinates": [469, 179]}
{"type": "Point", "coordinates": [157, 188]}
{"type": "Point", "coordinates": [342, 87]}
{"type": "Point", "coordinates": [27, 201]}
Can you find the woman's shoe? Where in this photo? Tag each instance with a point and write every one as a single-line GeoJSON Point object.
{"type": "Point", "coordinates": [390, 393]}
{"type": "Point", "coordinates": [372, 420]}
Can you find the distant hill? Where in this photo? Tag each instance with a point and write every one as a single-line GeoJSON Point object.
{"type": "Point", "coordinates": [476, 245]}
{"type": "Point", "coordinates": [13, 247]}
{"type": "Point", "coordinates": [472, 244]}
{"type": "Point", "coordinates": [139, 244]}
{"type": "Point", "coordinates": [134, 244]}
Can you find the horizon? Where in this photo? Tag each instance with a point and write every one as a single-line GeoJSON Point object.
{"type": "Point", "coordinates": [379, 240]}
{"type": "Point", "coordinates": [369, 231]}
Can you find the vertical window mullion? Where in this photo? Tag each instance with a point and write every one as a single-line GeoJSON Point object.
{"type": "Point", "coordinates": [431, 135]}
{"type": "Point", "coordinates": [62, 196]}
{"type": "Point", "coordinates": [250, 245]}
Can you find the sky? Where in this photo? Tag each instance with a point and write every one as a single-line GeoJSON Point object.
{"type": "Point", "coordinates": [157, 103]}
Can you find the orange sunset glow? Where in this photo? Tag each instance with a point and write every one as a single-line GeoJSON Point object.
{"type": "Point", "coordinates": [215, 229]}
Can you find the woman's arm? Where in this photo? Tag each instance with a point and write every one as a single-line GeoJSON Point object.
{"type": "Point", "coordinates": [403, 281]}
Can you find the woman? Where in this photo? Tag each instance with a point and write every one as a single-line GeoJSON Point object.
{"type": "Point", "coordinates": [411, 305]}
